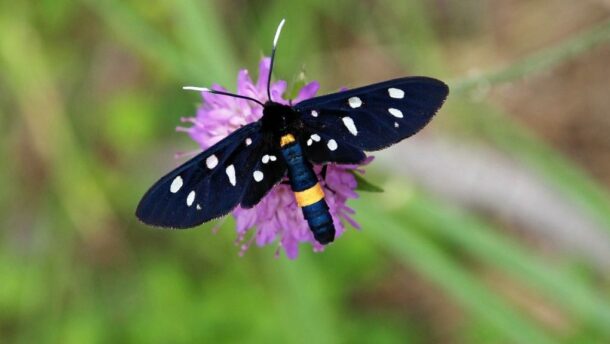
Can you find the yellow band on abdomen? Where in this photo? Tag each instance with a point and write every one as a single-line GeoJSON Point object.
{"type": "Point", "coordinates": [286, 139]}
{"type": "Point", "coordinates": [309, 196]}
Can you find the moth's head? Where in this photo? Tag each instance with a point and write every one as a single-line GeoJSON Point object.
{"type": "Point", "coordinates": [278, 117]}
{"type": "Point", "coordinates": [273, 109]}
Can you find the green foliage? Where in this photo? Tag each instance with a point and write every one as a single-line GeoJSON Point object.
{"type": "Point", "coordinates": [365, 185]}
{"type": "Point", "coordinates": [89, 97]}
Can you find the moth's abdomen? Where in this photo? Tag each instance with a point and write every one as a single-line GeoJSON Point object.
{"type": "Point", "coordinates": [307, 190]}
{"type": "Point", "coordinates": [320, 222]}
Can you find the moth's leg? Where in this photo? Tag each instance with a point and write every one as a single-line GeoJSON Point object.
{"type": "Point", "coordinates": [285, 181]}
{"type": "Point", "coordinates": [323, 174]}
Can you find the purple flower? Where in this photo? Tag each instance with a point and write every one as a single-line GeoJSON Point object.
{"type": "Point", "coordinates": [277, 216]}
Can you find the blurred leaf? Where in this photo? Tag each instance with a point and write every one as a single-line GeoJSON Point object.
{"type": "Point", "coordinates": [204, 38]}
{"type": "Point", "coordinates": [430, 261]}
{"type": "Point", "coordinates": [305, 306]}
{"type": "Point", "coordinates": [141, 37]}
{"type": "Point", "coordinates": [513, 138]}
{"type": "Point", "coordinates": [491, 248]}
{"type": "Point", "coordinates": [49, 131]}
{"type": "Point", "coordinates": [365, 185]}
{"type": "Point", "coordinates": [128, 127]}
{"type": "Point", "coordinates": [578, 298]}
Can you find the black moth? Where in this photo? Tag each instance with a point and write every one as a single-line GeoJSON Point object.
{"type": "Point", "coordinates": [335, 128]}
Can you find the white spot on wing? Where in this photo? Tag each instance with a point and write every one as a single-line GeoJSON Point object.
{"type": "Point", "coordinates": [231, 174]}
{"type": "Point", "coordinates": [354, 102]}
{"type": "Point", "coordinates": [176, 185]}
{"type": "Point", "coordinates": [316, 137]}
{"type": "Point", "coordinates": [396, 93]}
{"type": "Point", "coordinates": [332, 145]}
{"type": "Point", "coordinates": [258, 175]}
{"type": "Point", "coordinates": [248, 141]}
{"type": "Point", "coordinates": [211, 161]}
{"type": "Point", "coordinates": [190, 198]}
{"type": "Point", "coordinates": [396, 125]}
{"type": "Point", "coordinates": [349, 124]}
{"type": "Point", "coordinates": [309, 142]}
{"type": "Point", "coordinates": [314, 113]}
{"type": "Point", "coordinates": [265, 159]}
{"type": "Point", "coordinates": [395, 112]}
{"type": "Point", "coordinates": [272, 158]}
{"type": "Point", "coordinates": [198, 206]}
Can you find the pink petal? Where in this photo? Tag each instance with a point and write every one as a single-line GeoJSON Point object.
{"type": "Point", "coordinates": [263, 73]}
{"type": "Point", "coordinates": [308, 91]}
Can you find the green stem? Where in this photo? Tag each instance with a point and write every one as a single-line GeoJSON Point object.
{"type": "Point", "coordinates": [537, 62]}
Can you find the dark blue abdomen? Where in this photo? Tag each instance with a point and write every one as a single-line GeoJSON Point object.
{"type": "Point", "coordinates": [308, 193]}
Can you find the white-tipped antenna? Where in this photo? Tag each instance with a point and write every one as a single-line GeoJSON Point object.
{"type": "Point", "coordinates": [277, 32]}
{"type": "Point", "coordinates": [205, 89]}
{"type": "Point", "coordinates": [193, 88]}
{"type": "Point", "coordinates": [275, 39]}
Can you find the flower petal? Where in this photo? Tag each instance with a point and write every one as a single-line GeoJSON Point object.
{"type": "Point", "coordinates": [263, 74]}
{"type": "Point", "coordinates": [277, 90]}
{"type": "Point", "coordinates": [308, 91]}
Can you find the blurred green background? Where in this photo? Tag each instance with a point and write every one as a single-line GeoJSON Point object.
{"type": "Point", "coordinates": [495, 223]}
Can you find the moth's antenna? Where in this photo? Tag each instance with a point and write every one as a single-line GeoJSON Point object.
{"type": "Point", "coordinates": [204, 89]}
{"type": "Point", "coordinates": [277, 36]}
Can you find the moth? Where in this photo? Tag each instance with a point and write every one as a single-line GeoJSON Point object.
{"type": "Point", "coordinates": [286, 142]}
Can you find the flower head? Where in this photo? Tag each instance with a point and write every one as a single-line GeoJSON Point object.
{"type": "Point", "coordinates": [277, 216]}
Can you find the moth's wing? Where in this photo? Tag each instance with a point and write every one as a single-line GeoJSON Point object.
{"type": "Point", "coordinates": [321, 148]}
{"type": "Point", "coordinates": [269, 169]}
{"type": "Point", "coordinates": [376, 116]}
{"type": "Point", "coordinates": [211, 184]}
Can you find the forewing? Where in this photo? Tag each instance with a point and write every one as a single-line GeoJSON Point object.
{"type": "Point", "coordinates": [375, 116]}
{"type": "Point", "coordinates": [209, 185]}
{"type": "Point", "coordinates": [269, 169]}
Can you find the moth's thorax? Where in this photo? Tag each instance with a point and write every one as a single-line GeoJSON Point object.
{"type": "Point", "coordinates": [278, 118]}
